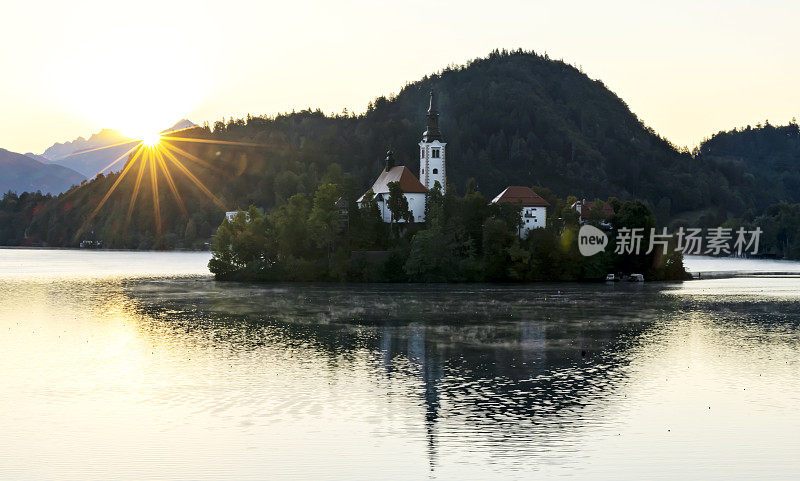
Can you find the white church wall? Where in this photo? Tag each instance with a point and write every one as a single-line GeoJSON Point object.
{"type": "Point", "coordinates": [416, 204]}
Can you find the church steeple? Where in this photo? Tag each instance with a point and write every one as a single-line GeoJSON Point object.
{"type": "Point", "coordinates": [432, 127]}
{"type": "Point", "coordinates": [432, 167]}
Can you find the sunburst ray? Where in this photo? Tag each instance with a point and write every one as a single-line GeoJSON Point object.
{"type": "Point", "coordinates": [156, 202]}
{"type": "Point", "coordinates": [118, 159]}
{"type": "Point", "coordinates": [200, 161]}
{"type": "Point", "coordinates": [194, 179]}
{"type": "Point", "coordinates": [181, 130]}
{"type": "Point", "coordinates": [135, 193]}
{"type": "Point", "coordinates": [157, 151]}
{"type": "Point", "coordinates": [110, 191]}
{"type": "Point", "coordinates": [106, 147]}
{"type": "Point", "coordinates": [206, 141]}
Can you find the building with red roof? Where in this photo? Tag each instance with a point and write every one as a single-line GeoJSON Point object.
{"type": "Point", "coordinates": [534, 207]}
{"type": "Point", "coordinates": [583, 207]}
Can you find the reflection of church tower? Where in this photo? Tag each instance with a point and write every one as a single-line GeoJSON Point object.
{"type": "Point", "coordinates": [432, 372]}
{"type": "Point", "coordinates": [432, 151]}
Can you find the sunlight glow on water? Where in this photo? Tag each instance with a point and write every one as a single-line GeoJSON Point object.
{"type": "Point", "coordinates": [729, 264]}
{"type": "Point", "coordinates": [44, 264]}
{"type": "Point", "coordinates": [186, 378]}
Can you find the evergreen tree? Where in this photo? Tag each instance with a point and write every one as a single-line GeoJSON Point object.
{"type": "Point", "coordinates": [398, 204]}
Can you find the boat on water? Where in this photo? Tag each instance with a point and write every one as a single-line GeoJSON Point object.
{"type": "Point", "coordinates": [90, 244]}
{"type": "Point", "coordinates": [624, 277]}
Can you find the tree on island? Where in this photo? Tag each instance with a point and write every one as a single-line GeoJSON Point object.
{"type": "Point", "coordinates": [367, 225]}
{"type": "Point", "coordinates": [323, 221]}
{"type": "Point", "coordinates": [398, 204]}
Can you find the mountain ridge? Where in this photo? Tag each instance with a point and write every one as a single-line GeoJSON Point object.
{"type": "Point", "coordinates": [24, 174]}
{"type": "Point", "coordinates": [105, 137]}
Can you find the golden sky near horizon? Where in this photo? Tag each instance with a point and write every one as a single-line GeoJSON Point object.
{"type": "Point", "coordinates": [687, 68]}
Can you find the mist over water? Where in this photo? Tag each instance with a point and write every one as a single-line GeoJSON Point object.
{"type": "Point", "coordinates": [114, 376]}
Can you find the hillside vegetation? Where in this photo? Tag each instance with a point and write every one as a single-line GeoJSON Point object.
{"type": "Point", "coordinates": [512, 118]}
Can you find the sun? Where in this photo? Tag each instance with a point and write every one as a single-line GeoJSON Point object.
{"type": "Point", "coordinates": [151, 140]}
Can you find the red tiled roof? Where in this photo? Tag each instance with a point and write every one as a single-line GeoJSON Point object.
{"type": "Point", "coordinates": [521, 195]}
{"type": "Point", "coordinates": [608, 211]}
{"type": "Point", "coordinates": [408, 181]}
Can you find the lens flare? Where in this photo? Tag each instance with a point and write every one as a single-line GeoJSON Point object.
{"type": "Point", "coordinates": [157, 154]}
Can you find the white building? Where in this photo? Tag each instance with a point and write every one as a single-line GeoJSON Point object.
{"type": "Point", "coordinates": [413, 191]}
{"type": "Point", "coordinates": [231, 215]}
{"type": "Point", "coordinates": [534, 208]}
{"type": "Point", "coordinates": [432, 151]}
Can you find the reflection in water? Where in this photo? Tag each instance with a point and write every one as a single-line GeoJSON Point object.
{"type": "Point", "coordinates": [501, 361]}
{"type": "Point", "coordinates": [192, 379]}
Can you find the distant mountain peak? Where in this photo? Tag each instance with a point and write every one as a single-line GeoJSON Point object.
{"type": "Point", "coordinates": [103, 138]}
{"type": "Point", "coordinates": [106, 134]}
{"type": "Point", "coordinates": [182, 124]}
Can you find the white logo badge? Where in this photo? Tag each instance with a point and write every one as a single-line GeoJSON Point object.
{"type": "Point", "coordinates": [591, 240]}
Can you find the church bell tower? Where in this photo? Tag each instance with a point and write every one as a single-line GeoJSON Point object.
{"type": "Point", "coordinates": [432, 151]}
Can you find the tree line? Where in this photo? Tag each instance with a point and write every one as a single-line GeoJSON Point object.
{"type": "Point", "coordinates": [327, 236]}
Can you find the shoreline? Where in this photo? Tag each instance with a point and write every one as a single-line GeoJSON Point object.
{"type": "Point", "coordinates": [698, 267]}
{"type": "Point", "coordinates": [703, 275]}
{"type": "Point", "coordinates": [50, 248]}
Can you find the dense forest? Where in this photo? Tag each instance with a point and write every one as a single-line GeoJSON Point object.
{"type": "Point", "coordinates": [767, 158]}
{"type": "Point", "coordinates": [509, 118]}
{"type": "Point", "coordinates": [766, 155]}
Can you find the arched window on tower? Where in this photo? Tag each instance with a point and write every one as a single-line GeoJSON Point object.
{"type": "Point", "coordinates": [435, 171]}
{"type": "Point", "coordinates": [435, 153]}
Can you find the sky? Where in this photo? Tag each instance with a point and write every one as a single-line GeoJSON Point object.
{"type": "Point", "coordinates": [686, 68]}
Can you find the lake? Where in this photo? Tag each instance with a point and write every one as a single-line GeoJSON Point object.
{"type": "Point", "coordinates": [138, 366]}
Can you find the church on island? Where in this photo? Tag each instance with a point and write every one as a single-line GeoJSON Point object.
{"type": "Point", "coordinates": [413, 190]}
{"type": "Point", "coordinates": [433, 170]}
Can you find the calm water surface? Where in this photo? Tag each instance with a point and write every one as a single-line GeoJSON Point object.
{"type": "Point", "coordinates": [120, 365]}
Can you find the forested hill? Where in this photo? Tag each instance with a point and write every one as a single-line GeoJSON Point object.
{"type": "Point", "coordinates": [770, 155]}
{"type": "Point", "coordinates": [512, 118]}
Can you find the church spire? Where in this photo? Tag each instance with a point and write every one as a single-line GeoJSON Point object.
{"type": "Point", "coordinates": [432, 127]}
